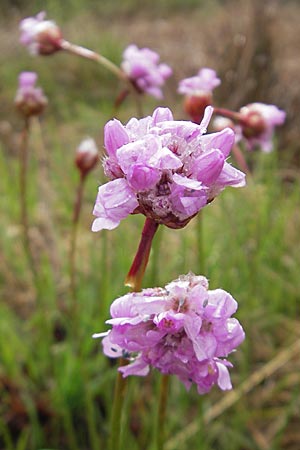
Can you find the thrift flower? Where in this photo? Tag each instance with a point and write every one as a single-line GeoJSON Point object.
{"type": "Point", "coordinates": [30, 100]}
{"type": "Point", "coordinates": [258, 122]}
{"type": "Point", "coordinates": [143, 68]}
{"type": "Point", "coordinates": [184, 329]}
{"type": "Point", "coordinates": [86, 156]}
{"type": "Point", "coordinates": [165, 169]}
{"type": "Point", "coordinates": [198, 92]}
{"type": "Point", "coordinates": [40, 36]}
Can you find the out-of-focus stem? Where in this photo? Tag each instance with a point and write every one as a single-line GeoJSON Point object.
{"type": "Point", "coordinates": [118, 402]}
{"type": "Point", "coordinates": [135, 275]}
{"type": "Point", "coordinates": [73, 243]}
{"type": "Point", "coordinates": [23, 163]}
{"type": "Point", "coordinates": [240, 159]}
{"type": "Point", "coordinates": [162, 408]}
{"type": "Point", "coordinates": [235, 116]}
{"type": "Point", "coordinates": [109, 65]}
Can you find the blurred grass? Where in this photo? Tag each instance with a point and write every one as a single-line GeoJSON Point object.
{"type": "Point", "coordinates": [56, 386]}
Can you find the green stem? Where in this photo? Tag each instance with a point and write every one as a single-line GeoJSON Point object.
{"type": "Point", "coordinates": [118, 402]}
{"type": "Point", "coordinates": [23, 163]}
{"type": "Point", "coordinates": [162, 408]}
{"type": "Point", "coordinates": [73, 243]}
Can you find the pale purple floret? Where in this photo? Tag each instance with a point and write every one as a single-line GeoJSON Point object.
{"type": "Point", "coordinates": [183, 329]}
{"type": "Point", "coordinates": [143, 68]}
{"type": "Point", "coordinates": [260, 121]}
{"type": "Point", "coordinates": [39, 35]}
{"type": "Point", "coordinates": [204, 82]}
{"type": "Point", "coordinates": [30, 99]}
{"type": "Point", "coordinates": [168, 169]}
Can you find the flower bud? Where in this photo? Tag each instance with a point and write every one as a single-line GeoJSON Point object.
{"type": "Point", "coordinates": [253, 125]}
{"type": "Point", "coordinates": [86, 156]}
{"type": "Point", "coordinates": [195, 105]}
{"type": "Point", "coordinates": [30, 100]}
{"type": "Point", "coordinates": [42, 37]}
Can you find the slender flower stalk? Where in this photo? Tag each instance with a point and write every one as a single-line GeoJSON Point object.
{"type": "Point", "coordinates": [135, 275]}
{"type": "Point", "coordinates": [30, 101]}
{"type": "Point", "coordinates": [241, 161]}
{"type": "Point", "coordinates": [162, 410]}
{"type": "Point", "coordinates": [85, 160]}
{"type": "Point", "coordinates": [117, 408]}
{"type": "Point", "coordinates": [200, 242]}
{"type": "Point", "coordinates": [23, 165]}
{"type": "Point", "coordinates": [109, 65]}
{"type": "Point", "coordinates": [74, 232]}
{"type": "Point", "coordinates": [234, 116]}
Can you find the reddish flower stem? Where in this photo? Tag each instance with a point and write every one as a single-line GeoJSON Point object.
{"type": "Point", "coordinates": [240, 159]}
{"type": "Point", "coordinates": [235, 116]}
{"type": "Point", "coordinates": [135, 275]}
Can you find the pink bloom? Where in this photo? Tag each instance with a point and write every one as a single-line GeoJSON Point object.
{"type": "Point", "coordinates": [203, 83]}
{"type": "Point", "coordinates": [143, 68]}
{"type": "Point", "coordinates": [258, 124]}
{"type": "Point", "coordinates": [86, 156]}
{"type": "Point", "coordinates": [183, 329]}
{"type": "Point", "coordinates": [30, 100]}
{"type": "Point", "coordinates": [42, 37]}
{"type": "Point", "coordinates": [168, 168]}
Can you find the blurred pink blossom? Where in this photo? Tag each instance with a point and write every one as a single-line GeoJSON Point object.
{"type": "Point", "coordinates": [30, 100]}
{"type": "Point", "coordinates": [40, 36]}
{"type": "Point", "coordinates": [143, 68]}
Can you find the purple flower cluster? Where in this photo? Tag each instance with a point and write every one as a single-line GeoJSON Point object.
{"type": "Point", "coordinates": [165, 169]}
{"type": "Point", "coordinates": [204, 82]}
{"type": "Point", "coordinates": [183, 329]}
{"type": "Point", "coordinates": [30, 100]}
{"type": "Point", "coordinates": [259, 122]}
{"type": "Point", "coordinates": [143, 68]}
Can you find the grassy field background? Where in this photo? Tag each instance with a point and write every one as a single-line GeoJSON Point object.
{"type": "Point", "coordinates": [55, 384]}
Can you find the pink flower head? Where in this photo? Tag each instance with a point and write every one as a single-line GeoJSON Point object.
{"type": "Point", "coordinates": [143, 68]}
{"type": "Point", "coordinates": [86, 156]}
{"type": "Point", "coordinates": [198, 92]}
{"type": "Point", "coordinates": [258, 122]}
{"type": "Point", "coordinates": [183, 329]}
{"type": "Point", "coordinates": [205, 81]}
{"type": "Point", "coordinates": [40, 36]}
{"type": "Point", "coordinates": [168, 170]}
{"type": "Point", "coordinates": [30, 100]}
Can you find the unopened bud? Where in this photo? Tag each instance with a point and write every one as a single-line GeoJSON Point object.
{"type": "Point", "coordinates": [30, 100]}
{"type": "Point", "coordinates": [86, 156]}
{"type": "Point", "coordinates": [195, 105]}
{"type": "Point", "coordinates": [42, 37]}
{"type": "Point", "coordinates": [253, 124]}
